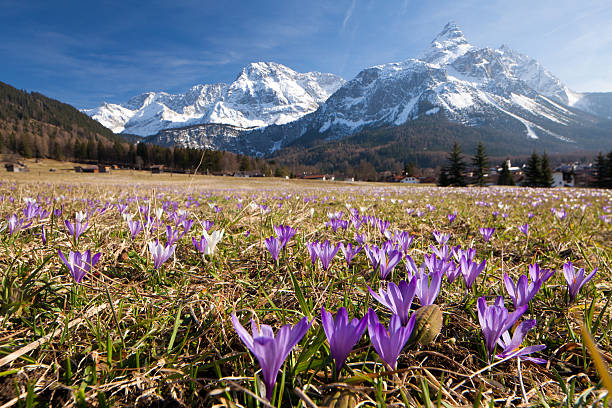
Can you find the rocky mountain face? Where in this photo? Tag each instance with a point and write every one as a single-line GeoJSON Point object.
{"type": "Point", "coordinates": [264, 93]}
{"type": "Point", "coordinates": [497, 88]}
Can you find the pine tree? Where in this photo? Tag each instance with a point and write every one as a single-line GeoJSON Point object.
{"type": "Point", "coordinates": [443, 178]}
{"type": "Point", "coordinates": [609, 170]}
{"type": "Point", "coordinates": [601, 167]}
{"type": "Point", "coordinates": [533, 171]}
{"type": "Point", "coordinates": [545, 172]}
{"type": "Point", "coordinates": [479, 161]}
{"type": "Point", "coordinates": [456, 167]}
{"type": "Point", "coordinates": [505, 177]}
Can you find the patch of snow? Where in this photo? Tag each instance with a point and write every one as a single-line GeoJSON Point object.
{"type": "Point", "coordinates": [433, 111]}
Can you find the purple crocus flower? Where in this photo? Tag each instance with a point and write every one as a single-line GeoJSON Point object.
{"type": "Point", "coordinates": [495, 320]}
{"type": "Point", "coordinates": [427, 290]}
{"type": "Point", "coordinates": [43, 233]}
{"type": "Point", "coordinates": [342, 334]}
{"type": "Point", "coordinates": [284, 234]}
{"type": "Point", "coordinates": [312, 249]}
{"type": "Point", "coordinates": [349, 252]}
{"type": "Point", "coordinates": [387, 261]}
{"type": "Point", "coordinates": [512, 346]}
{"type": "Point", "coordinates": [187, 224]}
{"type": "Point", "coordinates": [575, 280]}
{"type": "Point", "coordinates": [443, 253]}
{"type": "Point", "coordinates": [397, 298]}
{"type": "Point", "coordinates": [173, 236]}
{"type": "Point", "coordinates": [523, 292]}
{"type": "Point", "coordinates": [539, 274]}
{"type": "Point", "coordinates": [135, 227]}
{"type": "Point", "coordinates": [451, 217]}
{"type": "Point", "coordinates": [404, 240]}
{"type": "Point", "coordinates": [433, 264]}
{"type": "Point", "coordinates": [160, 253]}
{"type": "Point", "coordinates": [487, 233]}
{"type": "Point", "coordinates": [208, 225]}
{"type": "Point", "coordinates": [79, 263]}
{"type": "Point", "coordinates": [389, 343]}
{"type": "Point", "coordinates": [326, 252]}
{"type": "Point", "coordinates": [270, 351]}
{"type": "Point", "coordinates": [459, 253]}
{"type": "Point", "coordinates": [200, 244]}
{"type": "Point", "coordinates": [274, 246]}
{"type": "Point", "coordinates": [524, 228]}
{"type": "Point", "coordinates": [14, 223]}
{"type": "Point", "coordinates": [441, 238]}
{"type": "Point", "coordinates": [76, 229]}
{"type": "Point", "coordinates": [470, 271]}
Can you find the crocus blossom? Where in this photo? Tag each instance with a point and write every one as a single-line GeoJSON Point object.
{"type": "Point", "coordinates": [160, 253]}
{"type": "Point", "coordinates": [274, 246]}
{"type": "Point", "coordinates": [342, 334]}
{"type": "Point", "coordinates": [427, 290]}
{"type": "Point", "coordinates": [200, 244]}
{"type": "Point", "coordinates": [284, 234]}
{"type": "Point", "coordinates": [76, 229]}
{"type": "Point", "coordinates": [271, 351]}
{"type": "Point", "coordinates": [397, 298]}
{"type": "Point", "coordinates": [540, 274]}
{"type": "Point", "coordinates": [349, 252]}
{"type": "Point", "coordinates": [470, 271]}
{"type": "Point", "coordinates": [389, 343]}
{"type": "Point", "coordinates": [440, 237]}
{"type": "Point", "coordinates": [575, 279]}
{"type": "Point", "coordinates": [524, 228]}
{"type": "Point", "coordinates": [521, 293]}
{"type": "Point", "coordinates": [212, 240]}
{"type": "Point", "coordinates": [135, 227]}
{"type": "Point", "coordinates": [326, 252]}
{"type": "Point", "coordinates": [79, 263]}
{"type": "Point", "coordinates": [512, 346]}
{"type": "Point", "coordinates": [496, 320]}
{"type": "Point", "coordinates": [487, 233]}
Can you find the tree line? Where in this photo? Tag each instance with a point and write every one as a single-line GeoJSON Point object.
{"type": "Point", "coordinates": [603, 168]}
{"type": "Point", "coordinates": [536, 173]}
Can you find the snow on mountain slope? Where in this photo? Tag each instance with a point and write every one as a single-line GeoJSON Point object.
{"type": "Point", "coordinates": [474, 86]}
{"type": "Point", "coordinates": [264, 93]}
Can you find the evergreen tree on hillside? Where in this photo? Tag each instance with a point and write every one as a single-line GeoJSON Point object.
{"type": "Point", "coordinates": [533, 171]}
{"type": "Point", "coordinates": [480, 162]}
{"type": "Point", "coordinates": [545, 172]}
{"type": "Point", "coordinates": [609, 169]}
{"type": "Point", "coordinates": [505, 177]}
{"type": "Point", "coordinates": [443, 178]}
{"type": "Point", "coordinates": [456, 167]}
{"type": "Point", "coordinates": [601, 167]}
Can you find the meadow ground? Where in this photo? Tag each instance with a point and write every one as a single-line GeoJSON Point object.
{"type": "Point", "coordinates": [139, 330]}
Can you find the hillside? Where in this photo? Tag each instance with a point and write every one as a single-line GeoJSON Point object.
{"type": "Point", "coordinates": [34, 125]}
{"type": "Point", "coordinates": [425, 141]}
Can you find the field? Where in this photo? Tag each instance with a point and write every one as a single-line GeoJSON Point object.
{"type": "Point", "coordinates": [150, 323]}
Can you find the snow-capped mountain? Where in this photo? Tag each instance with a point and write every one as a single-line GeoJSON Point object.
{"type": "Point", "coordinates": [264, 93]}
{"type": "Point", "coordinates": [499, 88]}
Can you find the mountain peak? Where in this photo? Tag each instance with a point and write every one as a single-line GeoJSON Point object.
{"type": "Point", "coordinates": [447, 46]}
{"type": "Point", "coordinates": [450, 33]}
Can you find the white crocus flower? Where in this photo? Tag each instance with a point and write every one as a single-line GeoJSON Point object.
{"type": "Point", "coordinates": [212, 240]}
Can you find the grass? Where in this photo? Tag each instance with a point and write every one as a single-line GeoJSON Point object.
{"type": "Point", "coordinates": [131, 336]}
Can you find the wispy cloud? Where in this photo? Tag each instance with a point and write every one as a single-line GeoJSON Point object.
{"type": "Point", "coordinates": [348, 14]}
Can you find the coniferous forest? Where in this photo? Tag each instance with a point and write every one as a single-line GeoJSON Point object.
{"type": "Point", "coordinates": [35, 126]}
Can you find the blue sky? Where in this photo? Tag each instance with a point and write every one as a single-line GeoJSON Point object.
{"type": "Point", "coordinates": [84, 52]}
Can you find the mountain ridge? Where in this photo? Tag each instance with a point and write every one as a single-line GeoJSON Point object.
{"type": "Point", "coordinates": [263, 93]}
